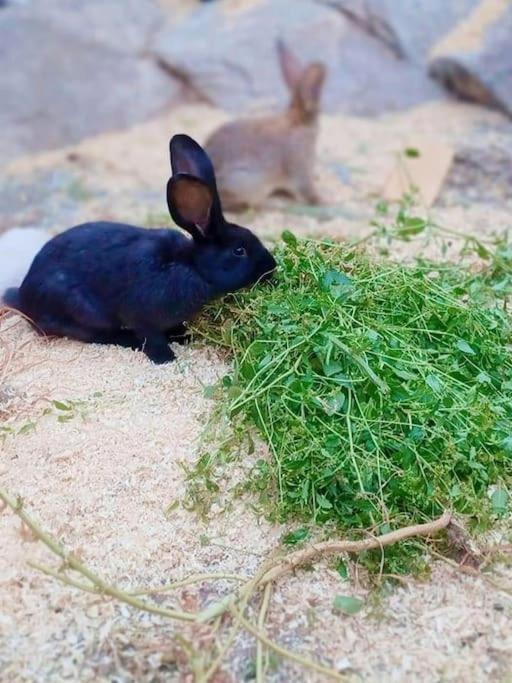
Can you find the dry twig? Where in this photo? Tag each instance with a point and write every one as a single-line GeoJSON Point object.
{"type": "Point", "coordinates": [318, 550]}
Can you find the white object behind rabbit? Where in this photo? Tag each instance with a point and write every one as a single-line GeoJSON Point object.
{"type": "Point", "coordinates": [18, 247]}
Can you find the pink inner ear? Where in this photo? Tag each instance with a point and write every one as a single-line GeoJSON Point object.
{"type": "Point", "coordinates": [311, 85]}
{"type": "Point", "coordinates": [193, 200]}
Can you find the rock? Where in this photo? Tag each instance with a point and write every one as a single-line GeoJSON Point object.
{"type": "Point", "coordinates": [409, 28]}
{"type": "Point", "coordinates": [125, 27]}
{"type": "Point", "coordinates": [72, 71]}
{"type": "Point", "coordinates": [483, 172]}
{"type": "Point", "coordinates": [369, 79]}
{"type": "Point", "coordinates": [475, 61]}
{"type": "Point", "coordinates": [228, 56]}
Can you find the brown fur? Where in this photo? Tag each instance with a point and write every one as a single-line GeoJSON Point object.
{"type": "Point", "coordinates": [255, 158]}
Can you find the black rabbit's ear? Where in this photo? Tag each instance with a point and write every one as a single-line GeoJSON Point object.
{"type": "Point", "coordinates": [191, 203]}
{"type": "Point", "coordinates": [190, 158]}
{"type": "Point", "coordinates": [290, 66]}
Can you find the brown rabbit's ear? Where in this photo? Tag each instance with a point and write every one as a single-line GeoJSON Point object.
{"type": "Point", "coordinates": [309, 90]}
{"type": "Point", "coordinates": [190, 202]}
{"type": "Point", "coordinates": [291, 67]}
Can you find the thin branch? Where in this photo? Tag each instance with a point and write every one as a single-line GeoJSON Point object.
{"type": "Point", "coordinates": [195, 578]}
{"type": "Point", "coordinates": [64, 578]}
{"type": "Point", "coordinates": [317, 550]}
{"type": "Point", "coordinates": [260, 673]}
{"type": "Point", "coordinates": [73, 563]}
{"type": "Point", "coordinates": [288, 654]}
{"type": "Point", "coordinates": [245, 596]}
{"type": "Point", "coordinates": [301, 557]}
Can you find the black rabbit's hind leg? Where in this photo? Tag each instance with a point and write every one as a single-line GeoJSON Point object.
{"type": "Point", "coordinates": [88, 321]}
{"type": "Point", "coordinates": [155, 345]}
{"type": "Point", "coordinates": [58, 327]}
{"type": "Point", "coordinates": [54, 327]}
{"type": "Point", "coordinates": [126, 338]}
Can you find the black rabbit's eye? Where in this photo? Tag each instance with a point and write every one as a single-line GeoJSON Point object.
{"type": "Point", "coordinates": [239, 251]}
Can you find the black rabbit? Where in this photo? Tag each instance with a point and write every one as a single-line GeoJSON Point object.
{"type": "Point", "coordinates": [111, 283]}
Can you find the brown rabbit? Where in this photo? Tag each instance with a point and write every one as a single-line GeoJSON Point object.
{"type": "Point", "coordinates": [254, 158]}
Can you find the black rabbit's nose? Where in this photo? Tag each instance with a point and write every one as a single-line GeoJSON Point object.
{"type": "Point", "coordinates": [268, 266]}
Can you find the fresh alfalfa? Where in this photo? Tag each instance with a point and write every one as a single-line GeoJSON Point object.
{"type": "Point", "coordinates": [383, 391]}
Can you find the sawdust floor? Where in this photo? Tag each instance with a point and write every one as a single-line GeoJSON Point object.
{"type": "Point", "coordinates": [103, 476]}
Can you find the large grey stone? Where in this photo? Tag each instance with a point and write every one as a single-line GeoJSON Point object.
{"type": "Point", "coordinates": [230, 60]}
{"type": "Point", "coordinates": [369, 80]}
{"type": "Point", "coordinates": [123, 25]}
{"type": "Point", "coordinates": [409, 28]}
{"type": "Point", "coordinates": [475, 61]}
{"type": "Point", "coordinates": [70, 70]}
{"type": "Point", "coordinates": [230, 57]}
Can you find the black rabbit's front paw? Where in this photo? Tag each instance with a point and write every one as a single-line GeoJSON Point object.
{"type": "Point", "coordinates": [160, 356]}
{"type": "Point", "coordinates": [156, 347]}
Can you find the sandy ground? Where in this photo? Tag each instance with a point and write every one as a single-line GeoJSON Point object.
{"type": "Point", "coordinates": [104, 475]}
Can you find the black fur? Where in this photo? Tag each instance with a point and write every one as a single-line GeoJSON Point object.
{"type": "Point", "coordinates": [110, 283]}
{"type": "Point", "coordinates": [11, 297]}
